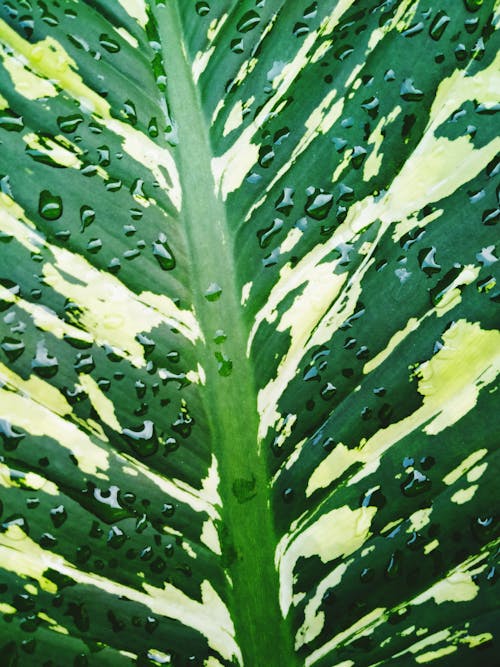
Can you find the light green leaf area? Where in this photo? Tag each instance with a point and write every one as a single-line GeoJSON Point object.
{"type": "Point", "coordinates": [248, 355]}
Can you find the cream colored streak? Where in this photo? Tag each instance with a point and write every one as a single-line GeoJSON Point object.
{"type": "Point", "coordinates": [48, 59]}
{"type": "Point", "coordinates": [204, 500]}
{"type": "Point", "coordinates": [442, 166]}
{"type": "Point", "coordinates": [136, 9]}
{"type": "Point", "coordinates": [363, 627]}
{"type": "Point", "coordinates": [449, 382]}
{"type": "Point", "coordinates": [340, 532]}
{"type": "Point", "coordinates": [55, 150]}
{"type": "Point", "coordinates": [36, 419]}
{"type": "Point", "coordinates": [230, 169]}
{"type": "Point", "coordinates": [25, 82]}
{"type": "Point", "coordinates": [20, 554]}
{"type": "Point", "coordinates": [451, 297]}
{"type": "Point", "coordinates": [319, 122]}
{"type": "Point", "coordinates": [202, 58]}
{"type": "Point", "coordinates": [112, 314]}
{"type": "Point", "coordinates": [314, 617]}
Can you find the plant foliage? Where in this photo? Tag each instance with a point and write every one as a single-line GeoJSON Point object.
{"type": "Point", "coordinates": [248, 348]}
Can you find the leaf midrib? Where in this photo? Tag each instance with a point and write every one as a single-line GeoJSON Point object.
{"type": "Point", "coordinates": [248, 536]}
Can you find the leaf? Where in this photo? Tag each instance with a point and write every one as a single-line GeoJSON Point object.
{"type": "Point", "coordinates": [248, 347]}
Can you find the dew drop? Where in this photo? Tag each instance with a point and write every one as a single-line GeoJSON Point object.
{"type": "Point", "coordinates": [50, 206]}
{"type": "Point", "coordinates": [109, 43]}
{"type": "Point", "coordinates": [213, 292]}
{"type": "Point", "coordinates": [202, 8]}
{"type": "Point", "coordinates": [248, 21]}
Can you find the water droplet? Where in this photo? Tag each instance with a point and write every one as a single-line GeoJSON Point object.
{"type": "Point", "coordinates": [413, 30]}
{"type": "Point", "coordinates": [202, 8]}
{"type": "Point", "coordinates": [248, 21]}
{"type": "Point", "coordinates": [109, 43]}
{"type": "Point", "coordinates": [288, 495]}
{"type": "Point", "coordinates": [284, 203]}
{"type": "Point", "coordinates": [50, 206]}
{"type": "Point", "coordinates": [439, 25]}
{"type": "Point", "coordinates": [300, 29]}
{"type": "Point", "coordinates": [409, 93]}
{"type": "Point", "coordinates": [87, 216]}
{"type": "Point", "coordinates": [328, 391]}
{"type": "Point", "coordinates": [220, 336]}
{"type": "Point", "coordinates": [266, 235]}
{"type": "Point", "coordinates": [58, 516]}
{"type": "Point", "coordinates": [143, 440]}
{"type": "Point", "coordinates": [358, 156]}
{"type": "Point", "coordinates": [70, 123]}
{"type": "Point", "coordinates": [427, 261]}
{"type": "Point", "coordinates": [266, 156]}
{"type": "Point", "coordinates": [318, 203]}
{"type": "Point", "coordinates": [394, 566]}
{"type": "Point", "coordinates": [473, 5]}
{"type": "Point", "coordinates": [163, 253]}
{"type": "Point", "coordinates": [130, 112]}
{"type": "Point", "coordinates": [43, 364]}
{"type": "Point", "coordinates": [213, 292]}
{"type": "Point", "coordinates": [12, 347]}
{"type": "Point", "coordinates": [10, 437]}
{"type": "Point", "coordinates": [224, 365]}
{"type": "Point", "coordinates": [10, 122]}
{"type": "Point", "coordinates": [415, 484]}
{"type": "Point", "coordinates": [116, 537]}
{"type": "Point", "coordinates": [237, 46]}
{"type": "Point", "coordinates": [244, 489]}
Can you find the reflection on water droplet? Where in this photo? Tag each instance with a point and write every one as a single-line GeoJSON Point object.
{"type": "Point", "coordinates": [163, 253]}
{"type": "Point", "coordinates": [202, 8]}
{"type": "Point", "coordinates": [248, 21]}
{"type": "Point", "coordinates": [69, 123]}
{"type": "Point", "coordinates": [438, 25]}
{"type": "Point", "coordinates": [50, 206]}
{"type": "Point", "coordinates": [213, 292]}
{"type": "Point", "coordinates": [415, 484]}
{"type": "Point", "coordinates": [143, 440]}
{"type": "Point", "coordinates": [43, 364]}
{"type": "Point", "coordinates": [266, 235]}
{"type": "Point", "coordinates": [318, 203]}
{"type": "Point", "coordinates": [224, 365]}
{"type": "Point", "coordinates": [109, 43]}
{"type": "Point", "coordinates": [409, 93]}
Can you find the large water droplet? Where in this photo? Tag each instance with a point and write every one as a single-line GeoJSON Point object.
{"type": "Point", "coordinates": [50, 206]}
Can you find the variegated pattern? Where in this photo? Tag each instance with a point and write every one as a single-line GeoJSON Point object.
{"type": "Point", "coordinates": [249, 357]}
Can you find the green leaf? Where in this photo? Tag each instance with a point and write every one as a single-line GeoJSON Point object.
{"type": "Point", "coordinates": [248, 353]}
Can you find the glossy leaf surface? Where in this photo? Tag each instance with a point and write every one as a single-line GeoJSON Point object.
{"type": "Point", "coordinates": [248, 310]}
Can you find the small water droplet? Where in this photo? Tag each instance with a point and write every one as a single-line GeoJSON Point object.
{"type": "Point", "coordinates": [318, 203]}
{"type": "Point", "coordinates": [69, 123]}
{"type": "Point", "coordinates": [266, 235]}
{"type": "Point", "coordinates": [224, 365]}
{"type": "Point", "coordinates": [248, 21]}
{"type": "Point", "coordinates": [415, 484]}
{"type": "Point", "coordinates": [109, 43]}
{"type": "Point", "coordinates": [163, 253]}
{"type": "Point", "coordinates": [202, 8]}
{"type": "Point", "coordinates": [44, 365]}
{"type": "Point", "coordinates": [58, 516]}
{"type": "Point", "coordinates": [213, 292]}
{"type": "Point", "coordinates": [409, 93]}
{"type": "Point", "coordinates": [439, 25]}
